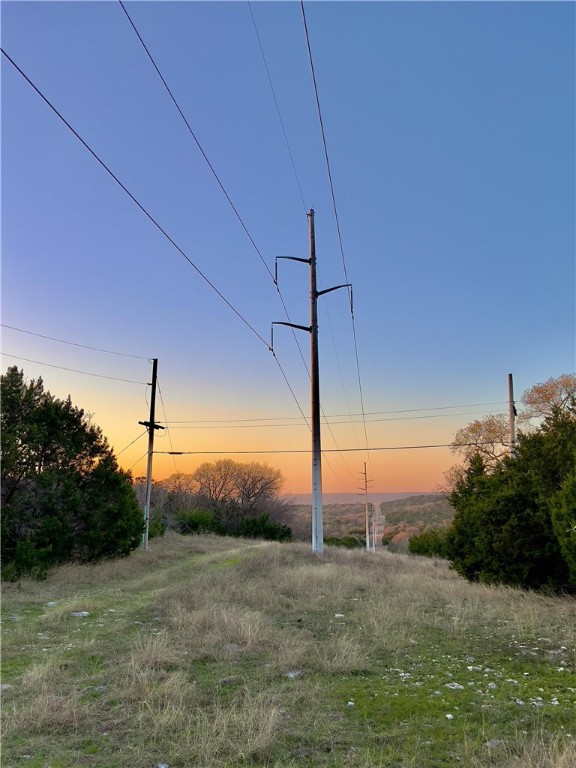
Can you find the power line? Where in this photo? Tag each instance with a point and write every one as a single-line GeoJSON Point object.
{"type": "Point", "coordinates": [340, 415]}
{"type": "Point", "coordinates": [324, 143]}
{"type": "Point", "coordinates": [328, 450]}
{"type": "Point", "coordinates": [328, 423]}
{"type": "Point", "coordinates": [166, 422]}
{"type": "Point", "coordinates": [132, 443]}
{"type": "Point", "coordinates": [73, 343]}
{"type": "Point", "coordinates": [134, 200]}
{"type": "Point", "coordinates": [138, 461]}
{"type": "Point", "coordinates": [73, 370]}
{"type": "Point", "coordinates": [277, 107]}
{"type": "Point", "coordinates": [221, 185]}
{"type": "Point", "coordinates": [204, 155]}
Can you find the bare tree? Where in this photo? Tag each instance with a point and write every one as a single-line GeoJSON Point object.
{"type": "Point", "coordinates": [541, 399]}
{"type": "Point", "coordinates": [256, 483]}
{"type": "Point", "coordinates": [490, 437]}
{"type": "Point", "coordinates": [245, 484]}
{"type": "Point", "coordinates": [217, 481]}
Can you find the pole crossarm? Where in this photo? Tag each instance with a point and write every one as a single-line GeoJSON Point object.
{"type": "Point", "coordinates": [147, 424]}
{"type": "Point", "coordinates": [335, 288]}
{"type": "Point", "coordinates": [287, 258]}
{"type": "Point", "coordinates": [307, 328]}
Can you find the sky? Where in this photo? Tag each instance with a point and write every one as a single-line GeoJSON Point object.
{"type": "Point", "coordinates": [450, 135]}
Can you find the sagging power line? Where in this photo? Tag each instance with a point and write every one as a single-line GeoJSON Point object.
{"type": "Point", "coordinates": [73, 343]}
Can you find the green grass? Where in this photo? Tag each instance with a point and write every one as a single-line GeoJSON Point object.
{"type": "Point", "coordinates": [208, 652]}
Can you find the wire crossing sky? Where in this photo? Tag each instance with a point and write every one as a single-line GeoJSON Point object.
{"type": "Point", "coordinates": [449, 129]}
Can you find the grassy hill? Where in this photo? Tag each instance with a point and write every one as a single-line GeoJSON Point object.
{"type": "Point", "coordinates": [213, 652]}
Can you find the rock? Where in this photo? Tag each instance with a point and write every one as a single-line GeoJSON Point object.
{"type": "Point", "coordinates": [230, 647]}
{"type": "Point", "coordinates": [80, 614]}
{"type": "Point", "coordinates": [230, 680]}
{"type": "Point", "coordinates": [493, 743]}
{"type": "Point", "coordinates": [294, 673]}
{"type": "Point", "coordinates": [454, 686]}
{"type": "Point", "coordinates": [5, 687]}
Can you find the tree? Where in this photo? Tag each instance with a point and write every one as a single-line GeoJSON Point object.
{"type": "Point", "coordinates": [513, 524]}
{"type": "Point", "coordinates": [563, 513]}
{"type": "Point", "coordinates": [488, 437]}
{"type": "Point", "coordinates": [216, 481]}
{"type": "Point", "coordinates": [247, 485]}
{"type": "Point", "coordinates": [540, 400]}
{"type": "Point", "coordinates": [63, 495]}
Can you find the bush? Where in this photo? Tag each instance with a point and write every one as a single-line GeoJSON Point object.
{"type": "Point", "coordinates": [515, 525]}
{"type": "Point", "coordinates": [157, 524]}
{"type": "Point", "coordinates": [262, 528]}
{"type": "Point", "coordinates": [349, 542]}
{"type": "Point", "coordinates": [433, 543]}
{"type": "Point", "coordinates": [198, 521]}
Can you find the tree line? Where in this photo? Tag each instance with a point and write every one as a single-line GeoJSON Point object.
{"type": "Point", "coordinates": [224, 497]}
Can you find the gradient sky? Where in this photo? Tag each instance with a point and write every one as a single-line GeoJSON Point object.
{"type": "Point", "coordinates": [451, 135]}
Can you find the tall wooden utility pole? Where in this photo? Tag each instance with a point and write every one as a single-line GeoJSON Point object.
{"type": "Point", "coordinates": [317, 516]}
{"type": "Point", "coordinates": [152, 426]}
{"type": "Point", "coordinates": [317, 512]}
{"type": "Point", "coordinates": [512, 416]}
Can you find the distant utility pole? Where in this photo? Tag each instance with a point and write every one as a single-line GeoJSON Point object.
{"type": "Point", "coordinates": [317, 517]}
{"type": "Point", "coordinates": [151, 426]}
{"type": "Point", "coordinates": [512, 415]}
{"type": "Point", "coordinates": [367, 517]}
{"type": "Point", "coordinates": [375, 525]}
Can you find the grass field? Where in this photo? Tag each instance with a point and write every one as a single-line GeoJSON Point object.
{"type": "Point", "coordinates": [205, 652]}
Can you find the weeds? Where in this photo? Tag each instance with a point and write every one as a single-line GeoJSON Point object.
{"type": "Point", "coordinates": [209, 652]}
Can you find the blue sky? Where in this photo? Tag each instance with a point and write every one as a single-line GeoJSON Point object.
{"type": "Point", "coordinates": [450, 131]}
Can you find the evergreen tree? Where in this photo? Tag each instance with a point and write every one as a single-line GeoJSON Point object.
{"type": "Point", "coordinates": [63, 495]}
{"type": "Point", "coordinates": [516, 525]}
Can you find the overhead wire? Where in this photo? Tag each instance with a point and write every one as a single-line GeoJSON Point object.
{"type": "Point", "coordinates": [137, 202]}
{"type": "Point", "coordinates": [72, 343]}
{"type": "Point", "coordinates": [279, 113]}
{"type": "Point", "coordinates": [132, 443]}
{"type": "Point", "coordinates": [278, 109]}
{"type": "Point", "coordinates": [339, 415]}
{"type": "Point", "coordinates": [138, 461]}
{"type": "Point", "coordinates": [344, 421]}
{"type": "Point", "coordinates": [337, 218]}
{"type": "Point", "coordinates": [330, 450]}
{"type": "Point", "coordinates": [221, 185]}
{"type": "Point", "coordinates": [73, 370]}
{"type": "Point", "coordinates": [204, 155]}
{"type": "Point", "coordinates": [166, 422]}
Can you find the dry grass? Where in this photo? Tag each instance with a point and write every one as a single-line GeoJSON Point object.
{"type": "Point", "coordinates": [216, 653]}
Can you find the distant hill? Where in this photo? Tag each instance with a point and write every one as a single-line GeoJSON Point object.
{"type": "Point", "coordinates": [349, 519]}
{"type": "Point", "coordinates": [431, 508]}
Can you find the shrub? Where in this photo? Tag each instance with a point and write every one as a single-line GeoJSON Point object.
{"type": "Point", "coordinates": [432, 543]}
{"type": "Point", "coordinates": [349, 542]}
{"type": "Point", "coordinates": [198, 521]}
{"type": "Point", "coordinates": [262, 528]}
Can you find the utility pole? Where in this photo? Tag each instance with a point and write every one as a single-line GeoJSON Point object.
{"type": "Point", "coordinates": [317, 514]}
{"type": "Point", "coordinates": [151, 426]}
{"type": "Point", "coordinates": [375, 525]}
{"type": "Point", "coordinates": [512, 415]}
{"type": "Point", "coordinates": [366, 514]}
